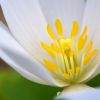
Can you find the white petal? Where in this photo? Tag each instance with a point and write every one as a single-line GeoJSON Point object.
{"type": "Point", "coordinates": [90, 73]}
{"type": "Point", "coordinates": [22, 71]}
{"type": "Point", "coordinates": [91, 70]}
{"type": "Point", "coordinates": [66, 10]}
{"type": "Point", "coordinates": [18, 58]}
{"type": "Point", "coordinates": [80, 93]}
{"type": "Point", "coordinates": [26, 22]}
{"type": "Point", "coordinates": [92, 20]}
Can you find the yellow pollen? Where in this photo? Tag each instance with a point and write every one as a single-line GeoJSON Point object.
{"type": "Point", "coordinates": [84, 31]}
{"type": "Point", "coordinates": [50, 32]}
{"type": "Point", "coordinates": [90, 55]}
{"type": "Point", "coordinates": [66, 76]}
{"type": "Point", "coordinates": [45, 46]}
{"type": "Point", "coordinates": [70, 53]}
{"type": "Point", "coordinates": [66, 43]}
{"type": "Point", "coordinates": [82, 39]}
{"type": "Point", "coordinates": [48, 49]}
{"type": "Point", "coordinates": [77, 69]}
{"type": "Point", "coordinates": [55, 48]}
{"type": "Point", "coordinates": [50, 65]}
{"type": "Point", "coordinates": [81, 42]}
{"type": "Point", "coordinates": [72, 71]}
{"type": "Point", "coordinates": [59, 28]}
{"type": "Point", "coordinates": [74, 29]}
{"type": "Point", "coordinates": [89, 47]}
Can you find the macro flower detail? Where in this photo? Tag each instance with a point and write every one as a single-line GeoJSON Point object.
{"type": "Point", "coordinates": [71, 55]}
{"type": "Point", "coordinates": [53, 42]}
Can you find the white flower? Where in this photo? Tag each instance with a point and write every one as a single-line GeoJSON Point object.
{"type": "Point", "coordinates": [60, 54]}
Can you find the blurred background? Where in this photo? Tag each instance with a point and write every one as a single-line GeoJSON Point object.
{"type": "Point", "coordinates": [15, 87]}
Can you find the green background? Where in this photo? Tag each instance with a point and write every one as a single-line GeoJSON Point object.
{"type": "Point", "coordinates": [15, 87]}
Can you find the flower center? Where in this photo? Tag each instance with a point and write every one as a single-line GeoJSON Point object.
{"type": "Point", "coordinates": [69, 55]}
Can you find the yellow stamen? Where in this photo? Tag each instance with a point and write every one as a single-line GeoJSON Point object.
{"type": "Point", "coordinates": [66, 62]}
{"type": "Point", "coordinates": [66, 76]}
{"type": "Point", "coordinates": [77, 69]}
{"type": "Point", "coordinates": [51, 34]}
{"type": "Point", "coordinates": [74, 29]}
{"type": "Point", "coordinates": [48, 49]}
{"type": "Point", "coordinates": [84, 31]}
{"type": "Point", "coordinates": [59, 27]}
{"type": "Point", "coordinates": [50, 65]}
{"type": "Point", "coordinates": [69, 54]}
{"type": "Point", "coordinates": [82, 42]}
{"type": "Point", "coordinates": [72, 65]}
{"type": "Point", "coordinates": [89, 47]}
{"type": "Point", "coordinates": [45, 46]}
{"type": "Point", "coordinates": [82, 39]}
{"type": "Point", "coordinates": [66, 43]}
{"type": "Point", "coordinates": [55, 48]}
{"type": "Point", "coordinates": [89, 56]}
{"type": "Point", "coordinates": [72, 71]}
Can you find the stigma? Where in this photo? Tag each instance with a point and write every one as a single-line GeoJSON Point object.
{"type": "Point", "coordinates": [70, 54]}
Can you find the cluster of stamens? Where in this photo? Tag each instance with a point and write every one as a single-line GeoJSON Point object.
{"type": "Point", "coordinates": [69, 54]}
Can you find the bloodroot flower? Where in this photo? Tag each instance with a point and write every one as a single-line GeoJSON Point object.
{"type": "Point", "coordinates": [53, 42]}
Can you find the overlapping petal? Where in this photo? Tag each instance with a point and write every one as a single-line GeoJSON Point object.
{"type": "Point", "coordinates": [26, 22]}
{"type": "Point", "coordinates": [91, 19]}
{"type": "Point", "coordinates": [21, 61]}
{"type": "Point", "coordinates": [80, 92]}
